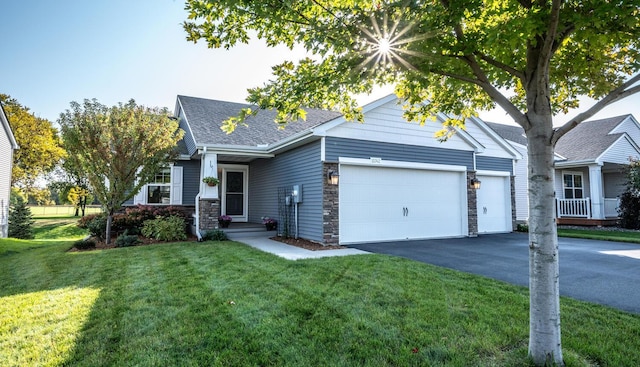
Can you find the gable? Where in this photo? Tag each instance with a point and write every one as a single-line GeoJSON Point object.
{"type": "Point", "coordinates": [630, 126]}
{"type": "Point", "coordinates": [620, 151]}
{"type": "Point", "coordinates": [385, 123]}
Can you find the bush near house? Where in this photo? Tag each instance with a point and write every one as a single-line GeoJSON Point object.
{"type": "Point", "coordinates": [132, 220]}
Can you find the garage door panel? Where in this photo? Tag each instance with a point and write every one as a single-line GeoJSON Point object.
{"type": "Point", "coordinates": [494, 204]}
{"type": "Point", "coordinates": [383, 204]}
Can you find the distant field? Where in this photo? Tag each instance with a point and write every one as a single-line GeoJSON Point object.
{"type": "Point", "coordinates": [59, 210]}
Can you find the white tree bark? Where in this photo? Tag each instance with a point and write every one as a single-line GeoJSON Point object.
{"type": "Point", "coordinates": [544, 293]}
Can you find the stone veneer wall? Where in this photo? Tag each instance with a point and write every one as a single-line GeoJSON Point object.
{"type": "Point", "coordinates": [330, 205]}
{"type": "Point", "coordinates": [209, 212]}
{"type": "Point", "coordinates": [472, 205]}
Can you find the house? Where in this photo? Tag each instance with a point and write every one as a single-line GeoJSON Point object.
{"type": "Point", "coordinates": [589, 165]}
{"type": "Point", "coordinates": [333, 181]}
{"type": "Point", "coordinates": [7, 146]}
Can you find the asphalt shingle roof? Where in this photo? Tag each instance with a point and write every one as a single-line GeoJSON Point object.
{"type": "Point", "coordinates": [587, 141]}
{"type": "Point", "coordinates": [205, 117]}
{"type": "Point", "coordinates": [509, 132]}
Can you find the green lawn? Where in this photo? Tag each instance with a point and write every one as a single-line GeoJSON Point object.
{"type": "Point", "coordinates": [226, 304]}
{"type": "Point", "coordinates": [598, 234]}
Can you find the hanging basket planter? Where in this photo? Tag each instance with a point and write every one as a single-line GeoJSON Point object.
{"type": "Point", "coordinates": [211, 181]}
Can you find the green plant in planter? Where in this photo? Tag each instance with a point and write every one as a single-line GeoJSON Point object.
{"type": "Point", "coordinates": [211, 181]}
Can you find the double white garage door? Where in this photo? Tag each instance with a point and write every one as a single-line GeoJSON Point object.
{"type": "Point", "coordinates": [396, 203]}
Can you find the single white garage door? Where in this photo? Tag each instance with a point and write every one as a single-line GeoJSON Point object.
{"type": "Point", "coordinates": [494, 204]}
{"type": "Point", "coordinates": [385, 204]}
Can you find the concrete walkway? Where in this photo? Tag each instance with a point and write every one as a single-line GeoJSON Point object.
{"type": "Point", "coordinates": [261, 241]}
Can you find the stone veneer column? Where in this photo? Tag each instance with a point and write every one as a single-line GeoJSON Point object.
{"type": "Point", "coordinates": [330, 205]}
{"type": "Point", "coordinates": [209, 212]}
{"type": "Point", "coordinates": [472, 205]}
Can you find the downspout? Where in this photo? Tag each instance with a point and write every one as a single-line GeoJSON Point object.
{"type": "Point", "coordinates": [197, 218]}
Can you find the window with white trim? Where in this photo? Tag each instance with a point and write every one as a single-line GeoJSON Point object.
{"type": "Point", "coordinates": [573, 185]}
{"type": "Point", "coordinates": [159, 189]}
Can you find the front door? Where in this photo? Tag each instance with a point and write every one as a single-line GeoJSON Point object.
{"type": "Point", "coordinates": [234, 192]}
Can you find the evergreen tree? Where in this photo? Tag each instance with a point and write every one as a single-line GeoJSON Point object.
{"type": "Point", "coordinates": [20, 220]}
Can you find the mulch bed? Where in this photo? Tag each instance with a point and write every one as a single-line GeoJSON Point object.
{"type": "Point", "coordinates": [306, 244]}
{"type": "Point", "coordinates": [144, 241]}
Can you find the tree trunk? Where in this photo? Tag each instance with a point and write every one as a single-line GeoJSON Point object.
{"type": "Point", "coordinates": [544, 294]}
{"type": "Point", "coordinates": [107, 239]}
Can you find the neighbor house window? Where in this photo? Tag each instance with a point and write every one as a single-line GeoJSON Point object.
{"type": "Point", "coordinates": [573, 188]}
{"type": "Point", "coordinates": [159, 189]}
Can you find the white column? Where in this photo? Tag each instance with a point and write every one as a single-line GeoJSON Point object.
{"type": "Point", "coordinates": [209, 168]}
{"type": "Point", "coordinates": [597, 192]}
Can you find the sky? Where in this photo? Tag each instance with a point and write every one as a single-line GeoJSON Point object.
{"type": "Point", "coordinates": [55, 52]}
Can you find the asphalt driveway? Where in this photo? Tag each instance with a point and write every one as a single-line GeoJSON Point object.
{"type": "Point", "coordinates": [602, 272]}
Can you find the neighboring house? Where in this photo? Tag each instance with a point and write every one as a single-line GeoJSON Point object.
{"type": "Point", "coordinates": [589, 164]}
{"type": "Point", "coordinates": [333, 181]}
{"type": "Point", "coordinates": [7, 146]}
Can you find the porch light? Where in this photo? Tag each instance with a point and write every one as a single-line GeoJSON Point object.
{"type": "Point", "coordinates": [332, 177]}
{"type": "Point", "coordinates": [475, 183]}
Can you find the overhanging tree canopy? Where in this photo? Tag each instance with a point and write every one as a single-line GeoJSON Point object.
{"type": "Point", "coordinates": [532, 58]}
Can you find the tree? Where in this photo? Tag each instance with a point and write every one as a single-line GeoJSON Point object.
{"type": "Point", "coordinates": [20, 220]}
{"type": "Point", "coordinates": [118, 148]}
{"type": "Point", "coordinates": [532, 58]}
{"type": "Point", "coordinates": [40, 146]}
{"type": "Point", "coordinates": [78, 197]}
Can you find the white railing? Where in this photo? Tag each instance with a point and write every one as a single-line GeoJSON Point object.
{"type": "Point", "coordinates": [611, 207]}
{"type": "Point", "coordinates": [580, 208]}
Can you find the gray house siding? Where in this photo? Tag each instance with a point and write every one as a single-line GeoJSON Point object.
{"type": "Point", "coordinates": [190, 180]}
{"type": "Point", "coordinates": [341, 147]}
{"type": "Point", "coordinates": [301, 166]}
{"type": "Point", "coordinates": [188, 137]}
{"type": "Point", "coordinates": [494, 164]}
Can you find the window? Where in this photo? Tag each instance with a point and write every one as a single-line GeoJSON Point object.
{"type": "Point", "coordinates": [572, 183]}
{"type": "Point", "coordinates": [159, 190]}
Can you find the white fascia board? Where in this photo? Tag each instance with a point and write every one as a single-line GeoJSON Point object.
{"type": "Point", "coordinates": [497, 138]}
{"type": "Point", "coordinates": [623, 136]}
{"type": "Point", "coordinates": [7, 128]}
{"type": "Point", "coordinates": [321, 130]}
{"type": "Point", "coordinates": [291, 140]}
{"type": "Point", "coordinates": [236, 150]}
{"type": "Point", "coordinates": [493, 173]}
{"type": "Point", "coordinates": [400, 164]}
{"type": "Point", "coordinates": [573, 164]}
{"type": "Point", "coordinates": [186, 120]}
{"type": "Point", "coordinates": [464, 135]}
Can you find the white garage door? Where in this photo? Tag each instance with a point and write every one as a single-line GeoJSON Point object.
{"type": "Point", "coordinates": [384, 204]}
{"type": "Point", "coordinates": [494, 204]}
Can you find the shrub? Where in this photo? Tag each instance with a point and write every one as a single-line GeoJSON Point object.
{"type": "Point", "coordinates": [215, 235]}
{"type": "Point", "coordinates": [629, 210]}
{"type": "Point", "coordinates": [20, 220]}
{"type": "Point", "coordinates": [521, 227]}
{"type": "Point", "coordinates": [127, 240]}
{"type": "Point", "coordinates": [85, 244]}
{"type": "Point", "coordinates": [165, 229]}
{"type": "Point", "coordinates": [96, 224]}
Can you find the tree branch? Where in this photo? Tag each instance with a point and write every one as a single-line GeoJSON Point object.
{"type": "Point", "coordinates": [515, 72]}
{"type": "Point", "coordinates": [484, 82]}
{"type": "Point", "coordinates": [613, 96]}
{"type": "Point", "coordinates": [546, 52]}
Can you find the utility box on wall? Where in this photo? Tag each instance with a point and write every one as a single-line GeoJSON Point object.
{"type": "Point", "coordinates": [296, 193]}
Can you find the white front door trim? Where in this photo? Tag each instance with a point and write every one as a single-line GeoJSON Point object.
{"type": "Point", "coordinates": [225, 168]}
